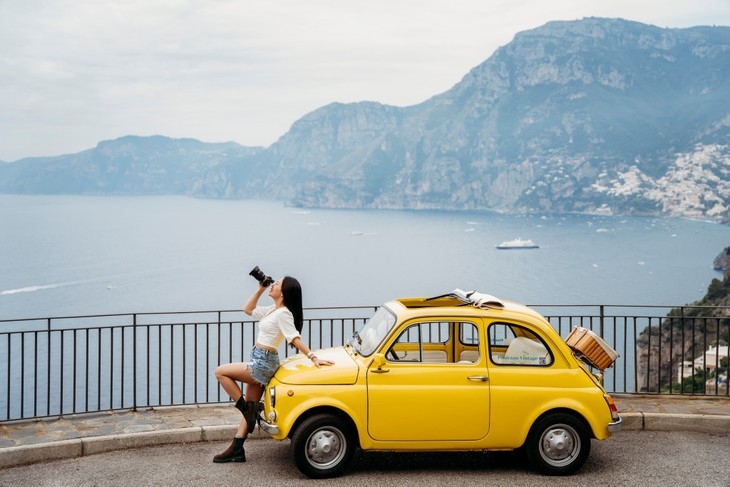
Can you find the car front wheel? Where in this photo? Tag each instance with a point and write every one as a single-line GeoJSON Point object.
{"type": "Point", "coordinates": [322, 446]}
{"type": "Point", "coordinates": [558, 444]}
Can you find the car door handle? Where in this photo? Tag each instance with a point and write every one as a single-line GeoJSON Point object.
{"type": "Point", "coordinates": [478, 378]}
{"type": "Point", "coordinates": [379, 371]}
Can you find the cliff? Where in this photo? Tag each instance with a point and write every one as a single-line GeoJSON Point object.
{"type": "Point", "coordinates": [685, 334]}
{"type": "Point", "coordinates": [593, 115]}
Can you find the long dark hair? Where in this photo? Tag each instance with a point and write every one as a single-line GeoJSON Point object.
{"type": "Point", "coordinates": [292, 292]}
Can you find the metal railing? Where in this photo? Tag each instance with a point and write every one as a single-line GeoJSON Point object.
{"type": "Point", "coordinates": [663, 350]}
{"type": "Point", "coordinates": [78, 364]}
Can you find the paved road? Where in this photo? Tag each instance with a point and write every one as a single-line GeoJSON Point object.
{"type": "Point", "coordinates": [646, 458]}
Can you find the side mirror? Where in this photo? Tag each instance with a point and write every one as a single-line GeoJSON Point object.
{"type": "Point", "coordinates": [378, 361]}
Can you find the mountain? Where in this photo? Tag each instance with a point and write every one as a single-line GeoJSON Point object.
{"type": "Point", "coordinates": [573, 116]}
{"type": "Point", "coordinates": [593, 115]}
{"type": "Point", "coordinates": [128, 165]}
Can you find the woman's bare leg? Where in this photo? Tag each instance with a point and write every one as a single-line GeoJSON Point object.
{"type": "Point", "coordinates": [228, 376]}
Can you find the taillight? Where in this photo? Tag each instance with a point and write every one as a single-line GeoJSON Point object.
{"type": "Point", "coordinates": [612, 407]}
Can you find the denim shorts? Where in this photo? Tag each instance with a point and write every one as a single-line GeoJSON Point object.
{"type": "Point", "coordinates": [263, 364]}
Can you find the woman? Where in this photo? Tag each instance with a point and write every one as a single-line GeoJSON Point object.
{"type": "Point", "coordinates": [282, 320]}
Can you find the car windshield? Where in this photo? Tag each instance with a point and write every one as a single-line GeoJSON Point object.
{"type": "Point", "coordinates": [366, 340]}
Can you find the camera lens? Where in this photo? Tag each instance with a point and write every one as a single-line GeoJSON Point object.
{"type": "Point", "coordinates": [260, 276]}
{"type": "Point", "coordinates": [257, 274]}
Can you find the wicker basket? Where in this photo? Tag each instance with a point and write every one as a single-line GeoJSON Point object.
{"type": "Point", "coordinates": [591, 348]}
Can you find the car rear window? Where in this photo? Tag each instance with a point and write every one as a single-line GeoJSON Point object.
{"type": "Point", "coordinates": [511, 344]}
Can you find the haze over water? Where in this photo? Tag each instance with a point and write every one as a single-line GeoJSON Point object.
{"type": "Point", "coordinates": [73, 255]}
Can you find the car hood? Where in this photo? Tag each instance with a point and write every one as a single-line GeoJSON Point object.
{"type": "Point", "coordinates": [300, 370]}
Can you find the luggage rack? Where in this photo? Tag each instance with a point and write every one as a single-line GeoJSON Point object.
{"type": "Point", "coordinates": [472, 298]}
{"type": "Point", "coordinates": [591, 348]}
{"type": "Point", "coordinates": [586, 360]}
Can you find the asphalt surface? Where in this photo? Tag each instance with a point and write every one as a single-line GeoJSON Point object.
{"type": "Point", "coordinates": [646, 458]}
{"type": "Point", "coordinates": [664, 438]}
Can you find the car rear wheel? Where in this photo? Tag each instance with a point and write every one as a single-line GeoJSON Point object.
{"type": "Point", "coordinates": [323, 446]}
{"type": "Point", "coordinates": [558, 444]}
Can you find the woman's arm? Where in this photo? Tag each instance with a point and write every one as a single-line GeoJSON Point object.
{"type": "Point", "coordinates": [251, 303]}
{"type": "Point", "coordinates": [302, 347]}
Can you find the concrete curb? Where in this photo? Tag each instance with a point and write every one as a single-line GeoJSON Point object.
{"type": "Point", "coordinates": [103, 444]}
{"type": "Point", "coordinates": [699, 423]}
{"type": "Point", "coordinates": [27, 454]}
{"type": "Point", "coordinates": [65, 449]}
{"type": "Point", "coordinates": [61, 450]}
{"type": "Point", "coordinates": [632, 422]}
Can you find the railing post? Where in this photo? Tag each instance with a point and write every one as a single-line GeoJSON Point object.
{"type": "Point", "coordinates": [692, 353]}
{"type": "Point", "coordinates": [48, 369]}
{"type": "Point", "coordinates": [602, 314]}
{"type": "Point", "coordinates": [134, 362]}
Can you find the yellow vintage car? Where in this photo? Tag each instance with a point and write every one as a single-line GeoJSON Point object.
{"type": "Point", "coordinates": [458, 372]}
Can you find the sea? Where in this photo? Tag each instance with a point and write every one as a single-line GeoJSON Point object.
{"type": "Point", "coordinates": [82, 255]}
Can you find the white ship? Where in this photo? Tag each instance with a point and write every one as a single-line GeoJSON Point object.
{"type": "Point", "coordinates": [518, 243]}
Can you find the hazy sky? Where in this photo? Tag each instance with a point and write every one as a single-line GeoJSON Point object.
{"type": "Point", "coordinates": [75, 72]}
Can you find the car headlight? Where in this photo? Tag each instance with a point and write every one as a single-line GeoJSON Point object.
{"type": "Point", "coordinates": [272, 396]}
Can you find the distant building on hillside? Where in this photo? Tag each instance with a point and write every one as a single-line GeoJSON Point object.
{"type": "Point", "coordinates": [707, 362]}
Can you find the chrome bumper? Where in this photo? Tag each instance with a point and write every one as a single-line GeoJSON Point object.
{"type": "Point", "coordinates": [271, 429]}
{"type": "Point", "coordinates": [615, 426]}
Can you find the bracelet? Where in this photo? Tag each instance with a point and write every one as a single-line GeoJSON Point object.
{"type": "Point", "coordinates": [310, 355]}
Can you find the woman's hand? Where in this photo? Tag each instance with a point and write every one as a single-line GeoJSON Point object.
{"type": "Point", "coordinates": [316, 361]}
{"type": "Point", "coordinates": [297, 342]}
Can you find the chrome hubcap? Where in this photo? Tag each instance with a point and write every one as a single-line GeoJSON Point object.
{"type": "Point", "coordinates": [325, 447]}
{"type": "Point", "coordinates": [559, 444]}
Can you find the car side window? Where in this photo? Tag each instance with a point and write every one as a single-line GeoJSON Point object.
{"type": "Point", "coordinates": [468, 346]}
{"type": "Point", "coordinates": [510, 344]}
{"type": "Point", "coordinates": [437, 342]}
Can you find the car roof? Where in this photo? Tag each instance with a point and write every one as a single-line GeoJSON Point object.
{"type": "Point", "coordinates": [448, 304]}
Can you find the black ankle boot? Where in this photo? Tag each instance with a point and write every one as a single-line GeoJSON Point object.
{"type": "Point", "coordinates": [241, 405]}
{"type": "Point", "coordinates": [234, 453]}
{"type": "Point", "coordinates": [250, 416]}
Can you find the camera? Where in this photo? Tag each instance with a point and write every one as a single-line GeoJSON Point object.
{"type": "Point", "coordinates": [261, 277]}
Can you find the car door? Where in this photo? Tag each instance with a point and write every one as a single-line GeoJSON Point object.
{"type": "Point", "coordinates": [431, 385]}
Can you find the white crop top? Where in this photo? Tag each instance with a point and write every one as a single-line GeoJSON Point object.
{"type": "Point", "coordinates": [275, 324]}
